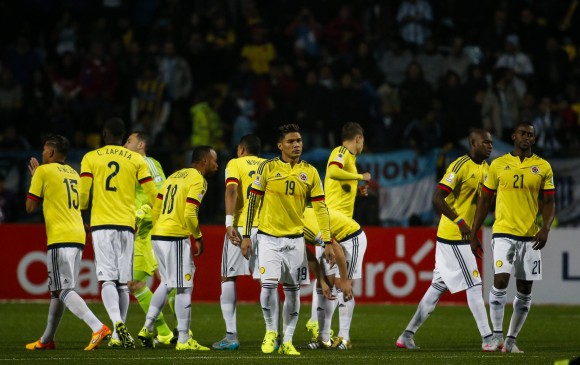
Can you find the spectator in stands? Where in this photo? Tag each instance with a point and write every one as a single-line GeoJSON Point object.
{"type": "Point", "coordinates": [8, 203]}
{"type": "Point", "coordinates": [12, 140]}
{"type": "Point", "coordinates": [11, 98]}
{"type": "Point", "coordinates": [518, 62]}
{"type": "Point", "coordinates": [500, 109]}
{"type": "Point", "coordinates": [66, 77]}
{"type": "Point", "coordinates": [151, 95]}
{"type": "Point", "coordinates": [387, 130]}
{"type": "Point", "coordinates": [306, 32]}
{"type": "Point", "coordinates": [343, 32]}
{"type": "Point", "coordinates": [174, 73]}
{"type": "Point", "coordinates": [432, 62]}
{"type": "Point", "coordinates": [547, 128]}
{"type": "Point", "coordinates": [475, 89]}
{"type": "Point", "coordinates": [457, 60]}
{"type": "Point", "coordinates": [493, 37]}
{"type": "Point", "coordinates": [221, 41]}
{"type": "Point", "coordinates": [553, 68]}
{"type": "Point", "coordinates": [22, 60]}
{"type": "Point", "coordinates": [532, 35]}
{"type": "Point", "coordinates": [366, 63]}
{"type": "Point", "coordinates": [423, 134]}
{"type": "Point", "coordinates": [395, 61]}
{"type": "Point", "coordinates": [415, 93]}
{"type": "Point", "coordinates": [259, 51]}
{"type": "Point", "coordinates": [313, 104]}
{"type": "Point", "coordinates": [414, 18]}
{"type": "Point", "coordinates": [453, 100]}
{"type": "Point", "coordinates": [206, 125]}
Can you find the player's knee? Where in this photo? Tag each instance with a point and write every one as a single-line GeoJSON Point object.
{"type": "Point", "coordinates": [501, 281]}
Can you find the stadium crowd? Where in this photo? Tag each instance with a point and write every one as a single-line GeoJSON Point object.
{"type": "Point", "coordinates": [414, 73]}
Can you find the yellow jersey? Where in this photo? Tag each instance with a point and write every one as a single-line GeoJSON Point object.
{"type": "Point", "coordinates": [463, 181]}
{"type": "Point", "coordinates": [285, 190]}
{"type": "Point", "coordinates": [517, 185]}
{"type": "Point", "coordinates": [175, 213]}
{"type": "Point", "coordinates": [240, 171]}
{"type": "Point", "coordinates": [112, 172]}
{"type": "Point", "coordinates": [341, 181]}
{"type": "Point", "coordinates": [57, 186]}
{"type": "Point", "coordinates": [341, 227]}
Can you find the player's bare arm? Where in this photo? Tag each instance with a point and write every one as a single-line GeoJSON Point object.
{"type": "Point", "coordinates": [482, 208]}
{"type": "Point", "coordinates": [548, 213]}
{"type": "Point", "coordinates": [442, 207]}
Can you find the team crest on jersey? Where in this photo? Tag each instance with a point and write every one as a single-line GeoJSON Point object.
{"type": "Point", "coordinates": [303, 177]}
{"type": "Point", "coordinates": [499, 263]}
{"type": "Point", "coordinates": [257, 181]}
{"type": "Point", "coordinates": [262, 270]}
{"type": "Point", "coordinates": [450, 177]}
{"type": "Point", "coordinates": [340, 157]}
{"type": "Point", "coordinates": [187, 277]}
{"type": "Point", "coordinates": [535, 170]}
{"type": "Point", "coordinates": [475, 273]}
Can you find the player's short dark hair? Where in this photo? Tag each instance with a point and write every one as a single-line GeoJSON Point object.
{"type": "Point", "coordinates": [143, 137]}
{"type": "Point", "coordinates": [199, 153]}
{"type": "Point", "coordinates": [287, 128]}
{"type": "Point", "coordinates": [60, 143]}
{"type": "Point", "coordinates": [252, 143]}
{"type": "Point", "coordinates": [524, 124]}
{"type": "Point", "coordinates": [351, 130]}
{"type": "Point", "coordinates": [116, 127]}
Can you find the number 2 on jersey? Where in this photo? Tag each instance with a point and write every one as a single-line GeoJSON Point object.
{"type": "Point", "coordinates": [115, 166]}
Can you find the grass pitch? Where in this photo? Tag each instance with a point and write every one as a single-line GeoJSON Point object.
{"type": "Point", "coordinates": [450, 336]}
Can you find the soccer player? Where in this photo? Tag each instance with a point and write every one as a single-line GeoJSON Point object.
{"type": "Point", "coordinates": [341, 186]}
{"type": "Point", "coordinates": [175, 217]}
{"type": "Point", "coordinates": [517, 179]}
{"type": "Point", "coordinates": [455, 266]}
{"type": "Point", "coordinates": [55, 185]}
{"type": "Point", "coordinates": [145, 264]}
{"type": "Point", "coordinates": [240, 173]}
{"type": "Point", "coordinates": [283, 185]}
{"type": "Point", "coordinates": [112, 172]}
{"type": "Point", "coordinates": [349, 249]}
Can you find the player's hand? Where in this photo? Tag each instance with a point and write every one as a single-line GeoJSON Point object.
{"type": "Point", "coordinates": [234, 235]}
{"type": "Point", "coordinates": [199, 247]}
{"type": "Point", "coordinates": [32, 165]}
{"type": "Point", "coordinates": [363, 190]}
{"type": "Point", "coordinates": [366, 176]}
{"type": "Point", "coordinates": [326, 290]}
{"type": "Point", "coordinates": [540, 239]}
{"type": "Point", "coordinates": [246, 247]}
{"type": "Point", "coordinates": [465, 232]}
{"type": "Point", "coordinates": [142, 212]}
{"type": "Point", "coordinates": [346, 288]}
{"type": "Point", "coordinates": [476, 246]}
{"type": "Point", "coordinates": [329, 254]}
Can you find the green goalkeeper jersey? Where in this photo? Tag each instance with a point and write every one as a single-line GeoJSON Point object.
{"type": "Point", "coordinates": [158, 179]}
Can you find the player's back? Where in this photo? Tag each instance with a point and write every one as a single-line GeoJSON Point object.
{"type": "Point", "coordinates": [57, 186]}
{"type": "Point", "coordinates": [341, 226]}
{"type": "Point", "coordinates": [340, 195]}
{"type": "Point", "coordinates": [186, 186]}
{"type": "Point", "coordinates": [115, 171]}
{"type": "Point", "coordinates": [241, 171]}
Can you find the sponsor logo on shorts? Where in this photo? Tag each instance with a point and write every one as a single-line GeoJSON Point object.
{"type": "Point", "coordinates": [499, 263]}
{"type": "Point", "coordinates": [187, 277]}
{"type": "Point", "coordinates": [262, 270]}
{"type": "Point", "coordinates": [475, 273]}
{"type": "Point", "coordinates": [287, 248]}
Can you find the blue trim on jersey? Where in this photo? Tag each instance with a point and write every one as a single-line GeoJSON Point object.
{"type": "Point", "coordinates": [54, 246]}
{"type": "Point", "coordinates": [113, 226]}
{"type": "Point", "coordinates": [451, 242]}
{"type": "Point", "coordinates": [288, 236]}
{"type": "Point", "coordinates": [513, 237]}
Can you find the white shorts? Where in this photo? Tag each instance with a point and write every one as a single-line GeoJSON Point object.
{"type": "Point", "coordinates": [354, 250]}
{"type": "Point", "coordinates": [113, 254]}
{"type": "Point", "coordinates": [63, 265]}
{"type": "Point", "coordinates": [234, 264]}
{"type": "Point", "coordinates": [283, 259]}
{"type": "Point", "coordinates": [455, 266]}
{"type": "Point", "coordinates": [175, 262]}
{"type": "Point", "coordinates": [510, 252]}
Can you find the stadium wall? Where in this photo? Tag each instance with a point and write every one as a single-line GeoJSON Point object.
{"type": "Point", "coordinates": [397, 267]}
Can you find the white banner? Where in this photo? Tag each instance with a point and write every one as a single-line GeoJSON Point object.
{"type": "Point", "coordinates": [560, 282]}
